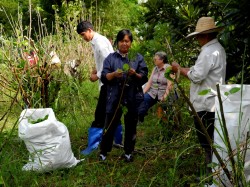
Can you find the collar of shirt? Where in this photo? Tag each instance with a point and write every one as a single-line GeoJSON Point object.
{"type": "Point", "coordinates": [209, 43]}
{"type": "Point", "coordinates": [161, 69]}
{"type": "Point", "coordinates": [123, 55]}
{"type": "Point", "coordinates": [94, 39]}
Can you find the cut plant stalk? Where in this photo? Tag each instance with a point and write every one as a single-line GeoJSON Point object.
{"type": "Point", "coordinates": [229, 147]}
{"type": "Point", "coordinates": [206, 134]}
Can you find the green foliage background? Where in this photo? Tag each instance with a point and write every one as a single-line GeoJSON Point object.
{"type": "Point", "coordinates": [157, 25]}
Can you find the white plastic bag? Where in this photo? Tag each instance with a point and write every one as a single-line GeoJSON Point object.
{"type": "Point", "coordinates": [48, 141]}
{"type": "Point", "coordinates": [234, 106]}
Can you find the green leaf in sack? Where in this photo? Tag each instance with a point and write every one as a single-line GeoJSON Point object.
{"type": "Point", "coordinates": [125, 67]}
{"type": "Point", "coordinates": [38, 120]}
{"type": "Point", "coordinates": [204, 92]}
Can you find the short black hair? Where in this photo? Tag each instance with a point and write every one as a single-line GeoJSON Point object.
{"type": "Point", "coordinates": [121, 34]}
{"type": "Point", "coordinates": [84, 26]}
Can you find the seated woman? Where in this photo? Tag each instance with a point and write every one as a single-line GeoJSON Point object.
{"type": "Point", "coordinates": [157, 87]}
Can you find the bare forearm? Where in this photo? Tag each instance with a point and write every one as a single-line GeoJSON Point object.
{"type": "Point", "coordinates": [146, 88]}
{"type": "Point", "coordinates": [93, 77]}
{"type": "Point", "coordinates": [110, 76]}
{"type": "Point", "coordinates": [184, 71]}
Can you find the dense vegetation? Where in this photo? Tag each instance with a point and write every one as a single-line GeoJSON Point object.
{"type": "Point", "coordinates": [167, 153]}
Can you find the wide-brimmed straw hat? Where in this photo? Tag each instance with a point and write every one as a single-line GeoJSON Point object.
{"type": "Point", "coordinates": [205, 25]}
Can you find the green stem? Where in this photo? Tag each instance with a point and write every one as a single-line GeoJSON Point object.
{"type": "Point", "coordinates": [206, 134]}
{"type": "Point", "coordinates": [229, 147]}
{"type": "Point", "coordinates": [120, 99]}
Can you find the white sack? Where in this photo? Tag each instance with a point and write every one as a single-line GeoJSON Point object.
{"type": "Point", "coordinates": [48, 142]}
{"type": "Point", "coordinates": [233, 104]}
{"type": "Point", "coordinates": [54, 58]}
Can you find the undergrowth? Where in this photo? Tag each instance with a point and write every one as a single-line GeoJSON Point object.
{"type": "Point", "coordinates": [156, 153]}
{"type": "Point", "coordinates": [166, 152]}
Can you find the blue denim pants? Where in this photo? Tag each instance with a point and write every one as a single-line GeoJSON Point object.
{"type": "Point", "coordinates": [147, 103]}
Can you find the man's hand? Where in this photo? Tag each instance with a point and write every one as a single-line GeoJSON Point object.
{"type": "Point", "coordinates": [93, 77]}
{"type": "Point", "coordinates": [131, 72]}
{"type": "Point", "coordinates": [94, 71]}
{"type": "Point", "coordinates": [175, 67]}
{"type": "Point", "coordinates": [118, 73]}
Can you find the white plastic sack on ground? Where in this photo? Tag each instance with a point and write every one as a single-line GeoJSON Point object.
{"type": "Point", "coordinates": [234, 106]}
{"type": "Point", "coordinates": [48, 141]}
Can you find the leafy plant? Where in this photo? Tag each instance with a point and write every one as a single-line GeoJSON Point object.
{"type": "Point", "coordinates": [38, 120]}
{"type": "Point", "coordinates": [125, 67]}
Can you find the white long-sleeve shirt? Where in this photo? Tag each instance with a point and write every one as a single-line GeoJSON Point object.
{"type": "Point", "coordinates": [208, 71]}
{"type": "Point", "coordinates": [102, 48]}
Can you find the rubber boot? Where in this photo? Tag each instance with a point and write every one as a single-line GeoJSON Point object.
{"type": "Point", "coordinates": [118, 136]}
{"type": "Point", "coordinates": [94, 139]}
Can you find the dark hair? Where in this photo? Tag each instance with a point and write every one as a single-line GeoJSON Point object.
{"type": "Point", "coordinates": [121, 34]}
{"type": "Point", "coordinates": [84, 26]}
{"type": "Point", "coordinates": [163, 56]}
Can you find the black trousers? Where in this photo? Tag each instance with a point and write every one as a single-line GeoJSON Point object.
{"type": "Point", "coordinates": [100, 111]}
{"type": "Point", "coordinates": [208, 121]}
{"type": "Point", "coordinates": [111, 122]}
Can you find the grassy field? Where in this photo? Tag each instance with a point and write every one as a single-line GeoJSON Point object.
{"type": "Point", "coordinates": [166, 154]}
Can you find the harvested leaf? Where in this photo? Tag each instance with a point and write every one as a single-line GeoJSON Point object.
{"type": "Point", "coordinates": [125, 67]}
{"type": "Point", "coordinates": [168, 73]}
{"type": "Point", "coordinates": [38, 120]}
{"type": "Point", "coordinates": [119, 70]}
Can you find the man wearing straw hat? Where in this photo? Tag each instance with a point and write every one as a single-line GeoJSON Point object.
{"type": "Point", "coordinates": [208, 71]}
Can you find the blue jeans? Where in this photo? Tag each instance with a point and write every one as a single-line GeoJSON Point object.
{"type": "Point", "coordinates": [147, 103]}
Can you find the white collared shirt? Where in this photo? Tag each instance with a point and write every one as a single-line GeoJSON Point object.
{"type": "Point", "coordinates": [102, 48]}
{"type": "Point", "coordinates": [208, 71]}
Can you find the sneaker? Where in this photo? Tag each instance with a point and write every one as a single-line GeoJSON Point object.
{"type": "Point", "coordinates": [102, 157]}
{"type": "Point", "coordinates": [128, 158]}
